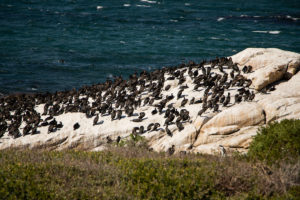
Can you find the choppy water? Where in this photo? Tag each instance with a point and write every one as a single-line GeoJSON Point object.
{"type": "Point", "coordinates": [56, 45]}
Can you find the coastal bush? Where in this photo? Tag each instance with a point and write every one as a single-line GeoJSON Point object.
{"type": "Point", "coordinates": [277, 141]}
{"type": "Point", "coordinates": [136, 173]}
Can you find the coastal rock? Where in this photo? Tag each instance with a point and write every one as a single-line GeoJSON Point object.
{"type": "Point", "coordinates": [268, 64]}
{"type": "Point", "coordinates": [230, 121]}
{"type": "Point", "coordinates": [284, 102]}
{"type": "Point", "coordinates": [232, 125]}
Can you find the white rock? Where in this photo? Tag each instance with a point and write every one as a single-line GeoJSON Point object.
{"type": "Point", "coordinates": [269, 65]}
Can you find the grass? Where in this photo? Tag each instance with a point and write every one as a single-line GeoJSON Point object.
{"type": "Point", "coordinates": [135, 173]}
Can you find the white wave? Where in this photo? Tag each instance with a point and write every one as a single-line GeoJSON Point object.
{"type": "Point", "coordinates": [187, 4]}
{"type": "Point", "coordinates": [274, 32]}
{"type": "Point", "coordinates": [122, 42]}
{"type": "Point", "coordinates": [110, 76]}
{"type": "Point", "coordinates": [126, 5]}
{"type": "Point", "coordinates": [220, 19]}
{"type": "Point", "coordinates": [214, 38]}
{"type": "Point", "coordinates": [293, 18]}
{"type": "Point", "coordinates": [173, 20]}
{"type": "Point", "coordinates": [260, 31]}
{"type": "Point", "coordinates": [33, 89]}
{"type": "Point", "coordinates": [243, 15]}
{"type": "Point", "coordinates": [148, 1]}
{"type": "Point", "coordinates": [144, 6]}
{"type": "Point", "coordinates": [99, 7]}
{"type": "Point", "coordinates": [270, 32]}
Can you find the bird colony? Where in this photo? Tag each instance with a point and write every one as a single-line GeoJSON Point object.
{"type": "Point", "coordinates": [161, 103]}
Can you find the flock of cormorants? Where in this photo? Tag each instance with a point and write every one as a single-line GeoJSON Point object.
{"type": "Point", "coordinates": [119, 98]}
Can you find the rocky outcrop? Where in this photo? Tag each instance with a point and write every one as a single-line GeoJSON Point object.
{"type": "Point", "coordinates": [269, 65]}
{"type": "Point", "coordinates": [230, 121]}
{"type": "Point", "coordinates": [232, 125]}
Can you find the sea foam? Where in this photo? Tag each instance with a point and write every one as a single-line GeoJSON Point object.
{"type": "Point", "coordinates": [270, 32]}
{"type": "Point", "coordinates": [147, 1]}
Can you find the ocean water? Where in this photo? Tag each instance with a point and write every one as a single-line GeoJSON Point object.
{"type": "Point", "coordinates": [62, 44]}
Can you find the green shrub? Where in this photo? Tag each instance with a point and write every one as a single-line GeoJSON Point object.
{"type": "Point", "coordinates": [19, 182]}
{"type": "Point", "coordinates": [276, 141]}
{"type": "Point", "coordinates": [137, 173]}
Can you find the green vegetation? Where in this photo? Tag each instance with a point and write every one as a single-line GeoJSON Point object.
{"type": "Point", "coordinates": [134, 173]}
{"type": "Point", "coordinates": [277, 142]}
{"type": "Point", "coordinates": [130, 171]}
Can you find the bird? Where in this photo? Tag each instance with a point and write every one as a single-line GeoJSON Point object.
{"type": "Point", "coordinates": [147, 99]}
{"type": "Point", "coordinates": [34, 131]}
{"type": "Point", "coordinates": [26, 129]}
{"type": "Point", "coordinates": [179, 126]}
{"type": "Point", "coordinates": [118, 139]}
{"type": "Point", "coordinates": [192, 101]}
{"type": "Point", "coordinates": [222, 99]}
{"type": "Point", "coordinates": [119, 114]}
{"type": "Point", "coordinates": [232, 74]}
{"type": "Point", "coordinates": [51, 128]}
{"type": "Point", "coordinates": [76, 126]}
{"type": "Point", "coordinates": [141, 130]}
{"type": "Point", "coordinates": [154, 112]}
{"type": "Point", "coordinates": [156, 125]}
{"type": "Point", "coordinates": [113, 115]}
{"type": "Point", "coordinates": [184, 101]}
{"type": "Point", "coordinates": [142, 115]}
{"type": "Point", "coordinates": [179, 94]}
{"type": "Point", "coordinates": [171, 150]}
{"type": "Point", "coordinates": [237, 98]}
{"type": "Point", "coordinates": [167, 87]}
{"type": "Point", "coordinates": [60, 125]}
{"type": "Point", "coordinates": [96, 120]}
{"type": "Point", "coordinates": [245, 69]}
{"type": "Point", "coordinates": [201, 111]}
{"type": "Point", "coordinates": [134, 130]}
{"type": "Point", "coordinates": [249, 69]}
{"type": "Point", "coordinates": [251, 96]}
{"type": "Point", "coordinates": [216, 107]}
{"type": "Point", "coordinates": [169, 119]}
{"type": "Point", "coordinates": [108, 140]}
{"type": "Point", "coordinates": [137, 120]}
{"type": "Point", "coordinates": [198, 101]}
{"type": "Point", "coordinates": [227, 100]}
{"type": "Point", "coordinates": [44, 123]}
{"type": "Point", "coordinates": [222, 151]}
{"type": "Point", "coordinates": [149, 127]}
{"type": "Point", "coordinates": [169, 132]}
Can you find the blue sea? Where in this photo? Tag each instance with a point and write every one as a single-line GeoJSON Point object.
{"type": "Point", "coordinates": [50, 45]}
